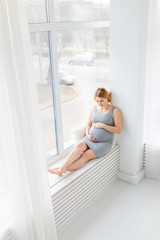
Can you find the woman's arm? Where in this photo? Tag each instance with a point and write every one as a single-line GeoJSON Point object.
{"type": "Point", "coordinates": [88, 126]}
{"type": "Point", "coordinates": [117, 123]}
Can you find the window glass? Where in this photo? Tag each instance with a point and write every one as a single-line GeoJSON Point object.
{"type": "Point", "coordinates": [83, 60]}
{"type": "Point", "coordinates": [41, 61]}
{"type": "Point", "coordinates": [73, 10]}
{"type": "Point", "coordinates": [36, 11]}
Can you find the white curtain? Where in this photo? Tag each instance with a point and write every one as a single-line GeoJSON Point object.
{"type": "Point", "coordinates": [152, 161]}
{"type": "Point", "coordinates": [25, 203]}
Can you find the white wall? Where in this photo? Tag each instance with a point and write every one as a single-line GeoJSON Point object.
{"type": "Point", "coordinates": [128, 58]}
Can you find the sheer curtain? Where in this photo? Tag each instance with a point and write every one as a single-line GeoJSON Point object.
{"type": "Point", "coordinates": [25, 204]}
{"type": "Point", "coordinates": [152, 161]}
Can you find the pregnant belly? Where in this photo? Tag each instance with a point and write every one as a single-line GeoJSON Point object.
{"type": "Point", "coordinates": [100, 134]}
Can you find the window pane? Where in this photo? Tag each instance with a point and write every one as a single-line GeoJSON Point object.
{"type": "Point", "coordinates": [36, 11]}
{"type": "Point", "coordinates": [83, 57]}
{"type": "Point", "coordinates": [41, 61]}
{"type": "Point", "coordinates": [83, 10]}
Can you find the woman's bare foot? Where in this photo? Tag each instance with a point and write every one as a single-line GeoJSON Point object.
{"type": "Point", "coordinates": [59, 171]}
{"type": "Point", "coordinates": [53, 170]}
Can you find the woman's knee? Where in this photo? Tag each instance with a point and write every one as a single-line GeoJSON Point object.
{"type": "Point", "coordinates": [81, 146]}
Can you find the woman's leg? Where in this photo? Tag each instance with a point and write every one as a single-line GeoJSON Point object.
{"type": "Point", "coordinates": [85, 157]}
{"type": "Point", "coordinates": [72, 157]}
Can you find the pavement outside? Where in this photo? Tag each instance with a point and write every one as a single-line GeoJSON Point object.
{"type": "Point", "coordinates": [45, 94]}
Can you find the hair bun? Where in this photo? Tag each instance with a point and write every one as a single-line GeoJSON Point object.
{"type": "Point", "coordinates": [109, 96]}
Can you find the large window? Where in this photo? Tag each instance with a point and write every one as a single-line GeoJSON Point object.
{"type": "Point", "coordinates": [71, 55]}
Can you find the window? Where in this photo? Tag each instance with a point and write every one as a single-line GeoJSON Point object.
{"type": "Point", "coordinates": [37, 11]}
{"type": "Point", "coordinates": [71, 56]}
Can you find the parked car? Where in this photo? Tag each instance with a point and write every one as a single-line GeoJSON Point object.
{"type": "Point", "coordinates": [89, 54]}
{"type": "Point", "coordinates": [82, 60]}
{"type": "Point", "coordinates": [65, 78]}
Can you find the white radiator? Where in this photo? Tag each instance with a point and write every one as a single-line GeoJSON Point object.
{"type": "Point", "coordinates": [82, 186]}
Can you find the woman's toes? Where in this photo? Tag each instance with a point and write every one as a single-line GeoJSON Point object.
{"type": "Point", "coordinates": [59, 171]}
{"type": "Point", "coordinates": [53, 170]}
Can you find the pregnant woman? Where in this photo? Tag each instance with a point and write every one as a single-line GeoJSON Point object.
{"type": "Point", "coordinates": [104, 120]}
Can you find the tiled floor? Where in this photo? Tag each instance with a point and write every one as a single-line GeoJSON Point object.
{"type": "Point", "coordinates": [124, 212]}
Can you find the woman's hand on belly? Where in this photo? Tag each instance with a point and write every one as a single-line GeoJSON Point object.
{"type": "Point", "coordinates": [91, 138]}
{"type": "Point", "coordinates": [100, 134]}
{"type": "Point", "coordinates": [98, 125]}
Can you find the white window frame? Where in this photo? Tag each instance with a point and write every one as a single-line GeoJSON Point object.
{"type": "Point", "coordinates": [52, 27]}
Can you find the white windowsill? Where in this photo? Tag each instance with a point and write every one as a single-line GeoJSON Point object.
{"type": "Point", "coordinates": [56, 182]}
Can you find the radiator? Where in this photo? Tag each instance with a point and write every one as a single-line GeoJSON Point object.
{"type": "Point", "coordinates": [83, 188]}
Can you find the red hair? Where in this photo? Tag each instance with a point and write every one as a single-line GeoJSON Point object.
{"type": "Point", "coordinates": [103, 93]}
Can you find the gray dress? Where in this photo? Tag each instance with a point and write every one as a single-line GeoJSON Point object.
{"type": "Point", "coordinates": [104, 137]}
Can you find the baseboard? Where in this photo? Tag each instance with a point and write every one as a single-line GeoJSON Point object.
{"type": "Point", "coordinates": [134, 179]}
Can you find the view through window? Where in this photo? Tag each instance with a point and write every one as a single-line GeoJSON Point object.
{"type": "Point", "coordinates": [72, 39]}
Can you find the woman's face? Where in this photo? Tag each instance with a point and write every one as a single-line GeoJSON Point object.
{"type": "Point", "coordinates": [101, 101]}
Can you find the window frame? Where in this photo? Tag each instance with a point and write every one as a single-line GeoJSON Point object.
{"type": "Point", "coordinates": [51, 28]}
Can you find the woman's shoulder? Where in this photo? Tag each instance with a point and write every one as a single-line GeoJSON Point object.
{"type": "Point", "coordinates": [112, 107]}
{"type": "Point", "coordinates": [116, 110]}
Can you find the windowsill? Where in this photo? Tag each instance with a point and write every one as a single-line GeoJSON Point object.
{"type": "Point", "coordinates": [56, 182]}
